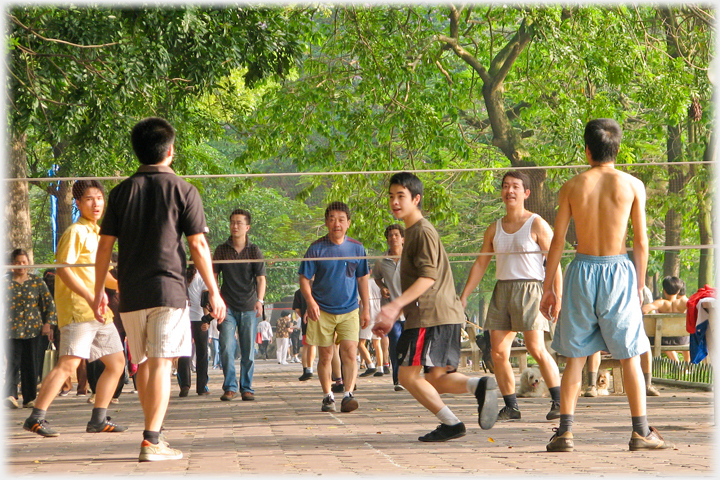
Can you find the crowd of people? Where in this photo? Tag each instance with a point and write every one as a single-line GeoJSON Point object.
{"type": "Point", "coordinates": [154, 309]}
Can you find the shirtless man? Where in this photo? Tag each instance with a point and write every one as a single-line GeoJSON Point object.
{"type": "Point", "coordinates": [671, 302]}
{"type": "Point", "coordinates": [601, 285]}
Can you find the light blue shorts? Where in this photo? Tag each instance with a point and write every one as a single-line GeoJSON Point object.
{"type": "Point", "coordinates": [600, 309]}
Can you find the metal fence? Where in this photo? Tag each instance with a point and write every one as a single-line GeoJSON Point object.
{"type": "Point", "coordinates": [682, 373]}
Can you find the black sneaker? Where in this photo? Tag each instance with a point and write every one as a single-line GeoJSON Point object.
{"type": "Point", "coordinates": [348, 404]}
{"type": "Point", "coordinates": [379, 373]}
{"type": "Point", "coordinates": [486, 395]}
{"type": "Point", "coordinates": [368, 372]}
{"type": "Point", "coordinates": [106, 426]}
{"type": "Point", "coordinates": [386, 370]}
{"type": "Point", "coordinates": [443, 433]}
{"type": "Point", "coordinates": [561, 443]}
{"type": "Point", "coordinates": [554, 411]}
{"type": "Point", "coordinates": [337, 387]}
{"type": "Point", "coordinates": [40, 427]}
{"type": "Point", "coordinates": [508, 413]}
{"type": "Point", "coordinates": [328, 404]}
{"type": "Point", "coordinates": [184, 391]}
{"type": "Point", "coordinates": [305, 376]}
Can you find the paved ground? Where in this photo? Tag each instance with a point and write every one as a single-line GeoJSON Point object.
{"type": "Point", "coordinates": [284, 433]}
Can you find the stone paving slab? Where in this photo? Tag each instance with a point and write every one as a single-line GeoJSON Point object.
{"type": "Point", "coordinates": [284, 433]}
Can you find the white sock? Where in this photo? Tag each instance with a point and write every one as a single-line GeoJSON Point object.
{"type": "Point", "coordinates": [447, 417]}
{"type": "Point", "coordinates": [371, 365]}
{"type": "Point", "coordinates": [331, 395]}
{"type": "Point", "coordinates": [347, 394]}
{"type": "Point", "coordinates": [472, 384]}
{"type": "Point", "coordinates": [310, 369]}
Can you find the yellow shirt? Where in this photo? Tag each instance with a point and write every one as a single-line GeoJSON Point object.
{"type": "Point", "coordinates": [78, 244]}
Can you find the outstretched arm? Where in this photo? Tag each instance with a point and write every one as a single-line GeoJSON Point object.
{"type": "Point", "coordinates": [477, 271]}
{"type": "Point", "coordinates": [391, 311]}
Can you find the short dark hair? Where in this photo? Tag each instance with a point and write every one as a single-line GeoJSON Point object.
{"type": "Point", "coordinates": [285, 313]}
{"type": "Point", "coordinates": [337, 207]}
{"type": "Point", "coordinates": [394, 226]}
{"type": "Point", "coordinates": [80, 186]}
{"type": "Point", "coordinates": [602, 138]}
{"type": "Point", "coordinates": [245, 213]}
{"type": "Point", "coordinates": [18, 252]}
{"type": "Point", "coordinates": [672, 285]}
{"type": "Point", "coordinates": [151, 138]}
{"type": "Point", "coordinates": [520, 176]}
{"type": "Point", "coordinates": [409, 181]}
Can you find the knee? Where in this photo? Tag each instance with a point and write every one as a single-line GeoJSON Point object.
{"type": "Point", "coordinates": [499, 356]}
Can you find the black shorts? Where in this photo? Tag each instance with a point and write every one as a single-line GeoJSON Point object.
{"type": "Point", "coordinates": [437, 346]}
{"type": "Point", "coordinates": [671, 341]}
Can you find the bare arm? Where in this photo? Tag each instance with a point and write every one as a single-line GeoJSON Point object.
{"type": "Point", "coordinates": [477, 271]}
{"type": "Point", "coordinates": [544, 240]}
{"type": "Point", "coordinates": [313, 310]}
{"type": "Point", "coordinates": [200, 254]}
{"type": "Point", "coordinates": [652, 306]}
{"type": "Point", "coordinates": [261, 287]}
{"type": "Point", "coordinates": [102, 264]}
{"type": "Point", "coordinates": [390, 312]}
{"type": "Point", "coordinates": [640, 239]}
{"type": "Point", "coordinates": [552, 300]}
{"type": "Point", "coordinates": [364, 290]}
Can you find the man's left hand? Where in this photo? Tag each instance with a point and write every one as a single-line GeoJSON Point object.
{"type": "Point", "coordinates": [258, 309]}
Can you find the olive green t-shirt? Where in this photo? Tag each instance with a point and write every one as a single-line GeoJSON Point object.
{"type": "Point", "coordinates": [424, 256]}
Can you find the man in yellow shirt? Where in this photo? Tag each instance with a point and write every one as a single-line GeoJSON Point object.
{"type": "Point", "coordinates": [81, 336]}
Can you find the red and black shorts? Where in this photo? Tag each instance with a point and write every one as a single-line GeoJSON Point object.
{"type": "Point", "coordinates": [437, 346]}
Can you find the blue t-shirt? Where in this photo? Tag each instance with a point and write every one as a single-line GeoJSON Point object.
{"type": "Point", "coordinates": [335, 286]}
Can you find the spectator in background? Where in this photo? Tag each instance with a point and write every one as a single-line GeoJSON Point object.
{"type": "Point", "coordinates": [196, 287]}
{"type": "Point", "coordinates": [265, 330]}
{"type": "Point", "coordinates": [283, 327]}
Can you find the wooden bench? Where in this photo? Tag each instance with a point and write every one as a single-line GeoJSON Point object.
{"type": "Point", "coordinates": [472, 352]}
{"type": "Point", "coordinates": [657, 325]}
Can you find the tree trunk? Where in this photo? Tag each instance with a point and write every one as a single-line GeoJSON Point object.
{"type": "Point", "coordinates": [17, 206]}
{"type": "Point", "coordinates": [63, 193]}
{"type": "Point", "coordinates": [706, 272]}
{"type": "Point", "coordinates": [673, 218]}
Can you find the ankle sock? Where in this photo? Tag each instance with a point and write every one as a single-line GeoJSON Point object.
{"type": "Point", "coordinates": [98, 415]}
{"type": "Point", "coordinates": [555, 394]}
{"type": "Point", "coordinates": [511, 401]}
{"type": "Point", "coordinates": [566, 422]}
{"type": "Point", "coordinates": [648, 381]}
{"type": "Point", "coordinates": [472, 384]}
{"type": "Point", "coordinates": [331, 395]}
{"type": "Point", "coordinates": [640, 425]}
{"type": "Point", "coordinates": [592, 379]}
{"type": "Point", "coordinates": [38, 414]}
{"type": "Point", "coordinates": [347, 394]}
{"type": "Point", "coordinates": [447, 417]}
{"type": "Point", "coordinates": [370, 365]}
{"type": "Point", "coordinates": [152, 437]}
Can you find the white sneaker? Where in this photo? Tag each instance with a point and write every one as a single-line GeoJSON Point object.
{"type": "Point", "coordinates": [159, 452]}
{"type": "Point", "coordinates": [11, 402]}
{"type": "Point", "coordinates": [91, 399]}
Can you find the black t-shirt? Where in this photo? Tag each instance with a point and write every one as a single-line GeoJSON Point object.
{"type": "Point", "coordinates": [300, 302]}
{"type": "Point", "coordinates": [239, 280]}
{"type": "Point", "coordinates": [149, 213]}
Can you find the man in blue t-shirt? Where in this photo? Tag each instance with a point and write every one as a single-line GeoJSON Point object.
{"type": "Point", "coordinates": [332, 301]}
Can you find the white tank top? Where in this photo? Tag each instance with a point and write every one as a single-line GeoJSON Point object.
{"type": "Point", "coordinates": [517, 267]}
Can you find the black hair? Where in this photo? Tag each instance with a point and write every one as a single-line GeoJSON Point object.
{"type": "Point", "coordinates": [151, 139]}
{"type": "Point", "coordinates": [602, 138]}
{"type": "Point", "coordinates": [80, 186]}
{"type": "Point", "coordinates": [409, 181]}
{"type": "Point", "coordinates": [520, 176]}
{"type": "Point", "coordinates": [16, 253]}
{"type": "Point", "coordinates": [337, 207]}
{"type": "Point", "coordinates": [285, 313]}
{"type": "Point", "coordinates": [672, 285]}
{"type": "Point", "coordinates": [394, 226]}
{"type": "Point", "coordinates": [245, 213]}
{"type": "Point", "coordinates": [190, 271]}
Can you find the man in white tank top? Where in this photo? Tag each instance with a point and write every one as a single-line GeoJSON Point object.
{"type": "Point", "coordinates": [515, 303]}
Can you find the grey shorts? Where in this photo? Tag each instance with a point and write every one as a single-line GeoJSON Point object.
{"type": "Point", "coordinates": [89, 340]}
{"type": "Point", "coordinates": [515, 306]}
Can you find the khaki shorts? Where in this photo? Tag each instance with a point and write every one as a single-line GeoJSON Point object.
{"type": "Point", "coordinates": [89, 340]}
{"type": "Point", "coordinates": [515, 306]}
{"type": "Point", "coordinates": [322, 332]}
{"type": "Point", "coordinates": [159, 332]}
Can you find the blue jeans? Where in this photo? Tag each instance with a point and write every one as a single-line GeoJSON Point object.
{"type": "Point", "coordinates": [247, 330]}
{"type": "Point", "coordinates": [393, 336]}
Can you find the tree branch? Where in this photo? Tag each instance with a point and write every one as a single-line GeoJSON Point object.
{"type": "Point", "coordinates": [55, 40]}
{"type": "Point", "coordinates": [466, 56]}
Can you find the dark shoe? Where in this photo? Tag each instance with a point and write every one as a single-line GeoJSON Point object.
{"type": "Point", "coordinates": [64, 393]}
{"type": "Point", "coordinates": [227, 396]}
{"type": "Point", "coordinates": [206, 392]}
{"type": "Point", "coordinates": [486, 395]}
{"type": "Point", "coordinates": [248, 396]}
{"type": "Point", "coordinates": [508, 413]}
{"type": "Point", "coordinates": [337, 388]}
{"type": "Point", "coordinates": [184, 391]}
{"type": "Point", "coordinates": [348, 404]}
{"type": "Point", "coordinates": [305, 376]}
{"type": "Point", "coordinates": [379, 373]}
{"type": "Point", "coordinates": [106, 426]}
{"type": "Point", "coordinates": [561, 443]}
{"type": "Point", "coordinates": [554, 411]}
{"type": "Point", "coordinates": [328, 404]}
{"type": "Point", "coordinates": [386, 370]}
{"type": "Point", "coordinates": [654, 441]}
{"type": "Point", "coordinates": [399, 388]}
{"type": "Point", "coordinates": [40, 427]}
{"type": "Point", "coordinates": [368, 372]}
{"type": "Point", "coordinates": [443, 433]}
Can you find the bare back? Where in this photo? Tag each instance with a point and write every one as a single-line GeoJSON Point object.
{"type": "Point", "coordinates": [601, 201]}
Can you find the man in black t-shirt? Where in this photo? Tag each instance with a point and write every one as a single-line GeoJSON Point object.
{"type": "Point", "coordinates": [308, 351]}
{"type": "Point", "coordinates": [148, 214]}
{"type": "Point", "coordinates": [243, 289]}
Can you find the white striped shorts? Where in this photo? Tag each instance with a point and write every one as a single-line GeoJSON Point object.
{"type": "Point", "coordinates": [159, 332]}
{"type": "Point", "coordinates": [89, 340]}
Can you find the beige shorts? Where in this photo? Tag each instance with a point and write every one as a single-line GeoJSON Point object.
{"type": "Point", "coordinates": [515, 306]}
{"type": "Point", "coordinates": [322, 332]}
{"type": "Point", "coordinates": [159, 332]}
{"type": "Point", "coordinates": [89, 340]}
